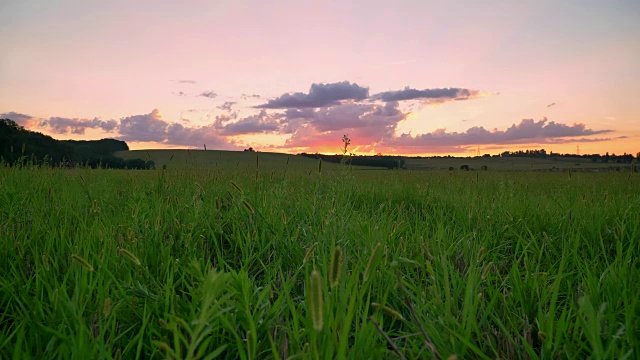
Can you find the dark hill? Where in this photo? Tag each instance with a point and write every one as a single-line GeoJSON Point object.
{"type": "Point", "coordinates": [19, 145]}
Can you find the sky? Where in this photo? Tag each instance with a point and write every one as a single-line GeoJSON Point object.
{"type": "Point", "coordinates": [402, 77]}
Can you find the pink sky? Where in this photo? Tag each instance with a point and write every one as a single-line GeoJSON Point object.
{"type": "Point", "coordinates": [408, 77]}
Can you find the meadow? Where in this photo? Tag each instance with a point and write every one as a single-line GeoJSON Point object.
{"type": "Point", "coordinates": [190, 159]}
{"type": "Point", "coordinates": [212, 160]}
{"type": "Point", "coordinates": [513, 163]}
{"type": "Point", "coordinates": [271, 259]}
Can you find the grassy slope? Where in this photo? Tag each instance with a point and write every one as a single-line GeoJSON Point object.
{"type": "Point", "coordinates": [211, 159]}
{"type": "Point", "coordinates": [188, 159]}
{"type": "Point", "coordinates": [491, 264]}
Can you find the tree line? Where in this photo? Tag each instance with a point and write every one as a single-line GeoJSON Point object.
{"type": "Point", "coordinates": [606, 158]}
{"type": "Point", "coordinates": [543, 154]}
{"type": "Point", "coordinates": [19, 146]}
{"type": "Point", "coordinates": [389, 162]}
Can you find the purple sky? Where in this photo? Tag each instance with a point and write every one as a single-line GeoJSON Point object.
{"type": "Point", "coordinates": [410, 77]}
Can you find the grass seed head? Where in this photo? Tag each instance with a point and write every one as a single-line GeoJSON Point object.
{"type": "Point", "coordinates": [387, 310]}
{"type": "Point", "coordinates": [237, 187]}
{"type": "Point", "coordinates": [309, 252]}
{"type": "Point", "coordinates": [107, 306]}
{"type": "Point", "coordinates": [182, 323]}
{"type": "Point", "coordinates": [429, 267]}
{"type": "Point", "coordinates": [336, 266]}
{"type": "Point", "coordinates": [542, 335]}
{"type": "Point", "coordinates": [95, 208]}
{"type": "Point", "coordinates": [486, 270]}
{"type": "Point", "coordinates": [393, 229]}
{"type": "Point", "coordinates": [248, 206]}
{"type": "Point", "coordinates": [84, 263]}
{"type": "Point", "coordinates": [162, 346]}
{"type": "Point", "coordinates": [45, 262]}
{"type": "Point", "coordinates": [316, 302]}
{"type": "Point", "coordinates": [131, 257]}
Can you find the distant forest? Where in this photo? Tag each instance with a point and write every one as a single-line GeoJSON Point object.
{"type": "Point", "coordinates": [395, 161]}
{"type": "Point", "coordinates": [542, 154]}
{"type": "Point", "coordinates": [389, 162]}
{"type": "Point", "coordinates": [19, 146]}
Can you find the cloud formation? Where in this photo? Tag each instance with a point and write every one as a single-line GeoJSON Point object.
{"type": "Point", "coordinates": [227, 105]}
{"type": "Point", "coordinates": [333, 94]}
{"type": "Point", "coordinates": [152, 128]}
{"type": "Point", "coordinates": [178, 134]}
{"type": "Point", "coordinates": [368, 123]}
{"type": "Point", "coordinates": [427, 95]}
{"type": "Point", "coordinates": [528, 131]}
{"type": "Point", "coordinates": [315, 121]}
{"type": "Point", "coordinates": [60, 125]}
{"type": "Point", "coordinates": [255, 124]}
{"type": "Point", "coordinates": [20, 119]}
{"type": "Point", "coordinates": [319, 95]}
{"type": "Point", "coordinates": [209, 94]}
{"type": "Point", "coordinates": [147, 127]}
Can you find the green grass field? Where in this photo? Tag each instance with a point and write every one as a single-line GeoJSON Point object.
{"type": "Point", "coordinates": [212, 159]}
{"type": "Point", "coordinates": [225, 260]}
{"type": "Point", "coordinates": [511, 163]}
{"type": "Point", "coordinates": [227, 160]}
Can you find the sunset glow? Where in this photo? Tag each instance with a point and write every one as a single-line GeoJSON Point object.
{"type": "Point", "coordinates": [416, 77]}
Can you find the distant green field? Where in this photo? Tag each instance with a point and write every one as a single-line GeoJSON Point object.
{"type": "Point", "coordinates": [213, 159]}
{"type": "Point", "coordinates": [215, 259]}
{"type": "Point", "coordinates": [509, 163]}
